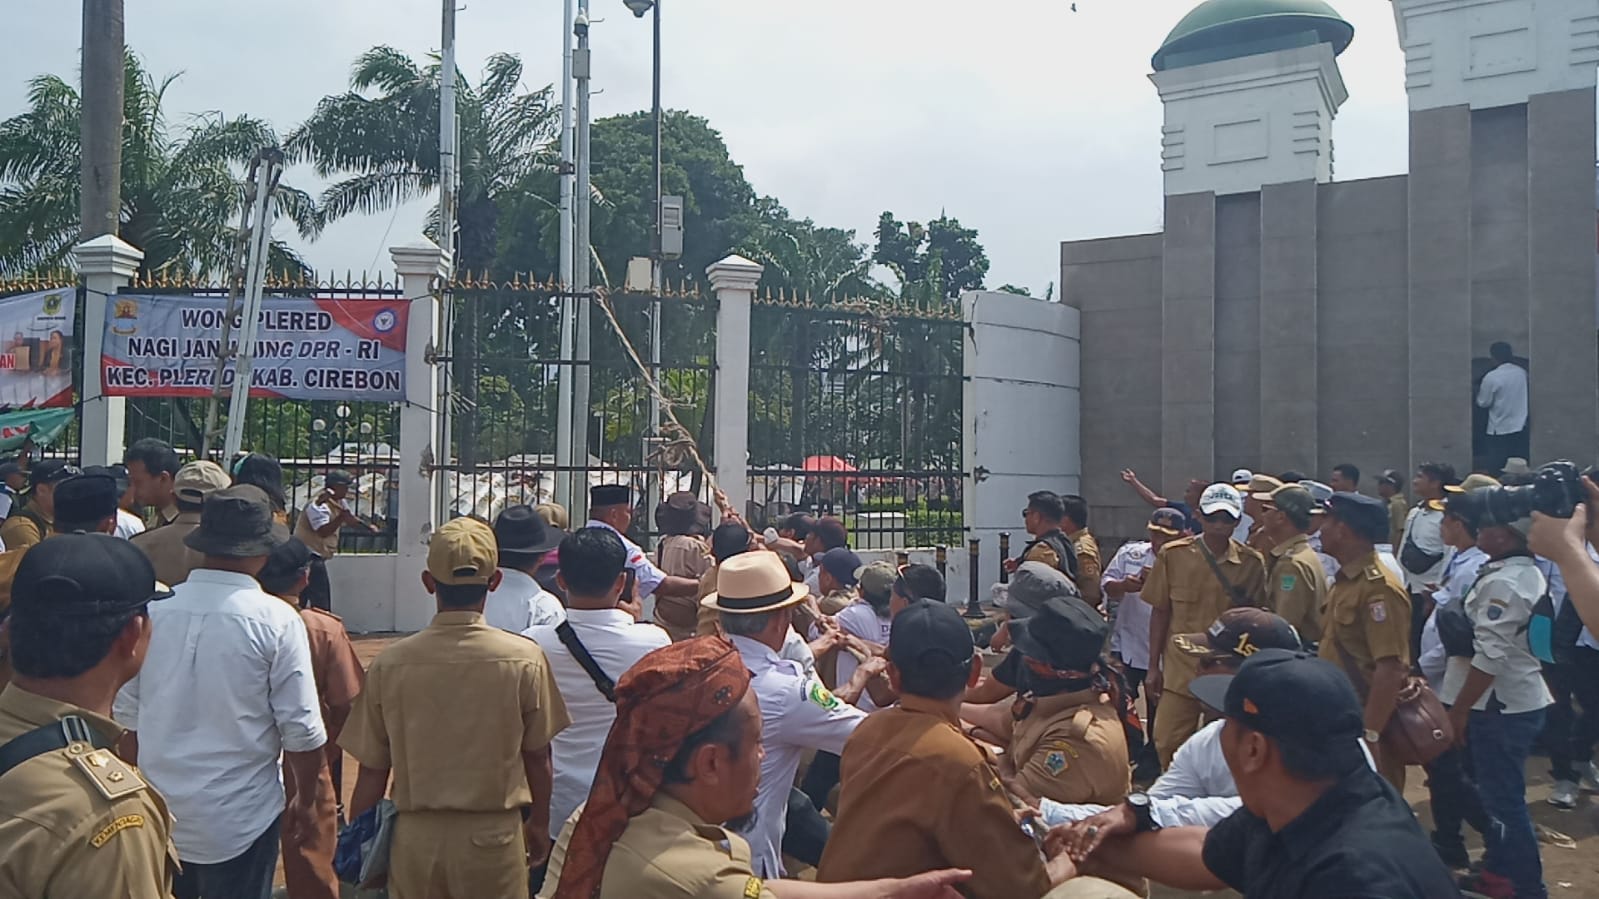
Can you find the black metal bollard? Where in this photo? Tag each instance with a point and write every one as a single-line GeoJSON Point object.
{"type": "Point", "coordinates": [1004, 553]}
{"type": "Point", "coordinates": [974, 606]}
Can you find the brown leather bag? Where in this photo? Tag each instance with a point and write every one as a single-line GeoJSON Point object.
{"type": "Point", "coordinates": [1419, 730]}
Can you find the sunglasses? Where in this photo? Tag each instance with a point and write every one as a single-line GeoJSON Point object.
{"type": "Point", "coordinates": [1219, 517]}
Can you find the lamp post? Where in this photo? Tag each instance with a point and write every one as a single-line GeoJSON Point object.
{"type": "Point", "coordinates": [341, 431]}
{"type": "Point", "coordinates": [639, 8]}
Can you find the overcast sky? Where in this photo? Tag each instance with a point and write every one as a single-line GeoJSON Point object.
{"type": "Point", "coordinates": [1023, 119]}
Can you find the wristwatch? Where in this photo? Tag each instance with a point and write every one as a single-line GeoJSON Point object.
{"type": "Point", "coordinates": [1371, 736]}
{"type": "Point", "coordinates": [1143, 815]}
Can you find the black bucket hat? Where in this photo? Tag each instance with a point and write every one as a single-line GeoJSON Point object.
{"type": "Point", "coordinates": [236, 523]}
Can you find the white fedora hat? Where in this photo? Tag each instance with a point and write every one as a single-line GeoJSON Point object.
{"type": "Point", "coordinates": [754, 581]}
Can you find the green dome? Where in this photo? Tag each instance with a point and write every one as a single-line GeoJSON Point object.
{"type": "Point", "coordinates": [1228, 29]}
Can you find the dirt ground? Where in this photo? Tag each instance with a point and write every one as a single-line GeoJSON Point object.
{"type": "Point", "coordinates": [1571, 873]}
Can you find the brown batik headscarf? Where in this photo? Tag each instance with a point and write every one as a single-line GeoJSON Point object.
{"type": "Point", "coordinates": [670, 694]}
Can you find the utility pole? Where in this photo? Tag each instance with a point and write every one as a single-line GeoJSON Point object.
{"type": "Point", "coordinates": [100, 131]}
{"type": "Point", "coordinates": [447, 217]}
{"type": "Point", "coordinates": [582, 265]}
{"type": "Point", "coordinates": [564, 375]}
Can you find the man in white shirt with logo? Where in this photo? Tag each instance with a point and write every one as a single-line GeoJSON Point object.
{"type": "Point", "coordinates": [1504, 394]}
{"type": "Point", "coordinates": [225, 692]}
{"type": "Point", "coordinates": [519, 602]}
{"type": "Point", "coordinates": [594, 574]}
{"type": "Point", "coordinates": [754, 600]}
{"type": "Point", "coordinates": [611, 507]}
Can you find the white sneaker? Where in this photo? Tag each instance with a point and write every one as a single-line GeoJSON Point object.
{"type": "Point", "coordinates": [1564, 795]}
{"type": "Point", "coordinates": [1590, 778]}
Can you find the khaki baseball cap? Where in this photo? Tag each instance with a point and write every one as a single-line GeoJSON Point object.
{"type": "Point", "coordinates": [198, 480]}
{"type": "Point", "coordinates": [463, 552]}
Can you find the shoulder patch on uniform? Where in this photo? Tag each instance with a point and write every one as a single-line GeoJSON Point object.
{"type": "Point", "coordinates": [1379, 611]}
{"type": "Point", "coordinates": [113, 777]}
{"type": "Point", "coordinates": [1055, 762]}
{"type": "Point", "coordinates": [820, 695]}
{"type": "Point", "coordinates": [1288, 582]}
{"type": "Point", "coordinates": [752, 888]}
{"type": "Point", "coordinates": [115, 827]}
{"type": "Point", "coordinates": [1496, 609]}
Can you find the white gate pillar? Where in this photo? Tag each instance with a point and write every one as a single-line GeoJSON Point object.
{"type": "Point", "coordinates": [421, 266]}
{"type": "Point", "coordinates": [734, 280]}
{"type": "Point", "coordinates": [107, 263]}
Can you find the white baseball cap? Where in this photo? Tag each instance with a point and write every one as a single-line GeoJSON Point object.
{"type": "Point", "coordinates": [1221, 498]}
{"type": "Point", "coordinates": [1243, 476]}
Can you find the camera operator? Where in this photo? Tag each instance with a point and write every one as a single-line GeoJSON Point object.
{"type": "Point", "coordinates": [1565, 542]}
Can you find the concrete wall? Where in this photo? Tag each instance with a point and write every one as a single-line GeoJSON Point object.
{"type": "Point", "coordinates": [366, 596]}
{"type": "Point", "coordinates": [1021, 410]}
{"type": "Point", "coordinates": [1115, 284]}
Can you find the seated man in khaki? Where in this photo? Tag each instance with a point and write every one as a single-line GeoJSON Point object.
{"type": "Point", "coordinates": [1064, 733]}
{"type": "Point", "coordinates": [683, 760]}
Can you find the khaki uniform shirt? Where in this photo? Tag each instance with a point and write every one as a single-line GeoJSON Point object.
{"type": "Point", "coordinates": [24, 529]}
{"type": "Point", "coordinates": [1183, 584]}
{"type": "Point", "coordinates": [1071, 748]}
{"type": "Point", "coordinates": [890, 824]}
{"type": "Point", "coordinates": [708, 623]}
{"type": "Point", "coordinates": [668, 852]}
{"type": "Point", "coordinates": [683, 555]}
{"type": "Point", "coordinates": [163, 516]}
{"type": "Point", "coordinates": [456, 685]}
{"type": "Point", "coordinates": [326, 547]}
{"type": "Point", "coordinates": [1398, 511]}
{"type": "Point", "coordinates": [1088, 565]}
{"type": "Point", "coordinates": [173, 560]}
{"type": "Point", "coordinates": [1366, 619]}
{"type": "Point", "coordinates": [1296, 585]}
{"type": "Point", "coordinates": [335, 667]}
{"type": "Point", "coordinates": [78, 823]}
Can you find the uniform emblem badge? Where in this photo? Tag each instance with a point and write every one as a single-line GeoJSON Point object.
{"type": "Point", "coordinates": [1379, 612]}
{"type": "Point", "coordinates": [1055, 762]}
{"type": "Point", "coordinates": [1496, 610]}
{"type": "Point", "coordinates": [1288, 582]}
{"type": "Point", "coordinates": [819, 695]}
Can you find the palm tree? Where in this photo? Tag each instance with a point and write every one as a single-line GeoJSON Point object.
{"type": "Point", "coordinates": [181, 196]}
{"type": "Point", "coordinates": [383, 137]}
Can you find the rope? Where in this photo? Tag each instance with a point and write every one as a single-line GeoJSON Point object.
{"type": "Point", "coordinates": [680, 434]}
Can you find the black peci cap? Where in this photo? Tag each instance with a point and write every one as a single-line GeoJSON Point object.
{"type": "Point", "coordinates": [609, 495]}
{"type": "Point", "coordinates": [1365, 515]}
{"type": "Point", "coordinates": [286, 560]}
{"type": "Point", "coordinates": [1292, 697]}
{"type": "Point", "coordinates": [85, 500]}
{"type": "Point", "coordinates": [930, 637]}
{"type": "Point", "coordinates": [84, 575]}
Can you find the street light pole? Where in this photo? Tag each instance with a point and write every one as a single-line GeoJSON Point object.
{"type": "Point", "coordinates": [639, 7]}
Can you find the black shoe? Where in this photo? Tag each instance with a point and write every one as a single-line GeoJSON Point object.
{"type": "Point", "coordinates": [1452, 850]}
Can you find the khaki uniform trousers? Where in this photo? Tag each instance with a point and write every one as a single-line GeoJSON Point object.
{"type": "Point", "coordinates": [457, 855]}
{"type": "Point", "coordinates": [1176, 719]}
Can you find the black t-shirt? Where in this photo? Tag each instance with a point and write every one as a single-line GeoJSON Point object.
{"type": "Point", "coordinates": [1358, 841]}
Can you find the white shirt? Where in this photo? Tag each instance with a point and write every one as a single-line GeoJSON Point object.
{"type": "Point", "coordinates": [317, 515]}
{"type": "Point", "coordinates": [7, 498]}
{"type": "Point", "coordinates": [1459, 575]}
{"type": "Point", "coordinates": [226, 688]}
{"type": "Point", "coordinates": [797, 714]}
{"type": "Point", "coordinates": [616, 642]}
{"type": "Point", "coordinates": [1499, 606]}
{"type": "Point", "coordinates": [1424, 527]}
{"type": "Point", "coordinates": [645, 575]}
{"type": "Point", "coordinates": [796, 650]}
{"type": "Point", "coordinates": [1130, 639]}
{"type": "Point", "coordinates": [128, 524]}
{"type": "Point", "coordinates": [520, 603]}
{"type": "Point", "coordinates": [1247, 521]}
{"type": "Point", "coordinates": [1504, 394]}
{"type": "Point", "coordinates": [1197, 789]}
{"type": "Point", "coordinates": [860, 619]}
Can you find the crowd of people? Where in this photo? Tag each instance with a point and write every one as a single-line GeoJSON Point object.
{"type": "Point", "coordinates": [1235, 701]}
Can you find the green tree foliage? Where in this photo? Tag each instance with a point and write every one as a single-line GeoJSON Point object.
{"type": "Point", "coordinates": [382, 137]}
{"type": "Point", "coordinates": [182, 194]}
{"type": "Point", "coordinates": [935, 262]}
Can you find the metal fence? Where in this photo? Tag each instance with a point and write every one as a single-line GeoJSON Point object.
{"type": "Point", "coordinates": [507, 360]}
{"type": "Point", "coordinates": [855, 411]}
